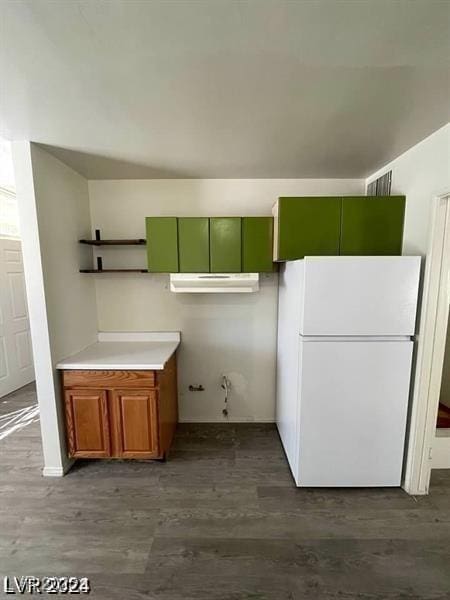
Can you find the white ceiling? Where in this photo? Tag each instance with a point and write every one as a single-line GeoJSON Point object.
{"type": "Point", "coordinates": [224, 88]}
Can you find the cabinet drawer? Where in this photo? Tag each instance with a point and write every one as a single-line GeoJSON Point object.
{"type": "Point", "coordinates": [109, 379]}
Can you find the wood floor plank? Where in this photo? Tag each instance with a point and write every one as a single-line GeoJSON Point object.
{"type": "Point", "coordinates": [345, 565]}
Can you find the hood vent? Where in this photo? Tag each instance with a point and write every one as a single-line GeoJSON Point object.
{"type": "Point", "coordinates": [219, 283]}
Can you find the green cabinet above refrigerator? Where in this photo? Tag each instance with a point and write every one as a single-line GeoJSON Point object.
{"type": "Point", "coordinates": [372, 225]}
{"type": "Point", "coordinates": [353, 225]}
{"type": "Point", "coordinates": [306, 226]}
{"type": "Point", "coordinates": [162, 244]}
{"type": "Point", "coordinates": [193, 244]}
{"type": "Point", "coordinates": [225, 244]}
{"type": "Point", "coordinates": [257, 244]}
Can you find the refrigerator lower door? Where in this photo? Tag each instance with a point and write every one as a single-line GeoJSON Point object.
{"type": "Point", "coordinates": [353, 399]}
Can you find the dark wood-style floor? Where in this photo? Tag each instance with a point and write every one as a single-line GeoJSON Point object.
{"type": "Point", "coordinates": [220, 520]}
{"type": "Point", "coordinates": [443, 418]}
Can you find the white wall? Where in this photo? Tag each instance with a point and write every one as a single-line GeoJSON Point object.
{"type": "Point", "coordinates": [221, 334]}
{"type": "Point", "coordinates": [54, 213]}
{"type": "Point", "coordinates": [420, 173]}
{"type": "Point", "coordinates": [62, 202]}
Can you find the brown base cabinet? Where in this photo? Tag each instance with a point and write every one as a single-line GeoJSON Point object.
{"type": "Point", "coordinates": [121, 414]}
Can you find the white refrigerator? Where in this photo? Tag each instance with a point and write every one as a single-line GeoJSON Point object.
{"type": "Point", "coordinates": [345, 327]}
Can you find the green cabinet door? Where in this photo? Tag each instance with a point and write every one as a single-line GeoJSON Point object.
{"type": "Point", "coordinates": [257, 244]}
{"type": "Point", "coordinates": [225, 244]}
{"type": "Point", "coordinates": [162, 244]}
{"type": "Point", "coordinates": [372, 225]}
{"type": "Point", "coordinates": [193, 244]}
{"type": "Point", "coordinates": [307, 226]}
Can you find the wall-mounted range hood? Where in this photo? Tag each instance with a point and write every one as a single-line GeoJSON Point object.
{"type": "Point", "coordinates": [222, 283]}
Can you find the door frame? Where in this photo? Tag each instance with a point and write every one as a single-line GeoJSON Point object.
{"type": "Point", "coordinates": [430, 350]}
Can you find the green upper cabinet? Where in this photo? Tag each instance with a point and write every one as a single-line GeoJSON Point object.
{"type": "Point", "coordinates": [257, 244]}
{"type": "Point", "coordinates": [193, 244]}
{"type": "Point", "coordinates": [225, 244]}
{"type": "Point", "coordinates": [162, 244]}
{"type": "Point", "coordinates": [372, 225]}
{"type": "Point", "coordinates": [306, 226]}
{"type": "Point", "coordinates": [302, 226]}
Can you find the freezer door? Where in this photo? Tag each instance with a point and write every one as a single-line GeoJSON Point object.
{"type": "Point", "coordinates": [353, 407]}
{"type": "Point", "coordinates": [359, 295]}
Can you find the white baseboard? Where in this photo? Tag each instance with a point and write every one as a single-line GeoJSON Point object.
{"type": "Point", "coordinates": [441, 449]}
{"type": "Point", "coordinates": [52, 471]}
{"type": "Point", "coordinates": [57, 471]}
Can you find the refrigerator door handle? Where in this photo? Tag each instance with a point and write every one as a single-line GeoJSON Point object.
{"type": "Point", "coordinates": [356, 338]}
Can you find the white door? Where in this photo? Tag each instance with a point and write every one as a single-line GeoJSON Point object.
{"type": "Point", "coordinates": [16, 358]}
{"type": "Point", "coordinates": [353, 407]}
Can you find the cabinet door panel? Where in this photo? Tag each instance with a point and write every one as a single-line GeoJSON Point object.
{"type": "Point", "coordinates": [225, 245]}
{"type": "Point", "coordinates": [87, 423]}
{"type": "Point", "coordinates": [162, 244]}
{"type": "Point", "coordinates": [193, 244]}
{"type": "Point", "coordinates": [372, 225]}
{"type": "Point", "coordinates": [307, 226]}
{"type": "Point", "coordinates": [257, 244]}
{"type": "Point", "coordinates": [136, 417]}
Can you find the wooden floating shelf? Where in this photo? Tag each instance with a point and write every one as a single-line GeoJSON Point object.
{"type": "Point", "coordinates": [138, 242]}
{"type": "Point", "coordinates": [113, 271]}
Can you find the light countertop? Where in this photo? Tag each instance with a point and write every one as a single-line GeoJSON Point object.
{"type": "Point", "coordinates": [141, 351]}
